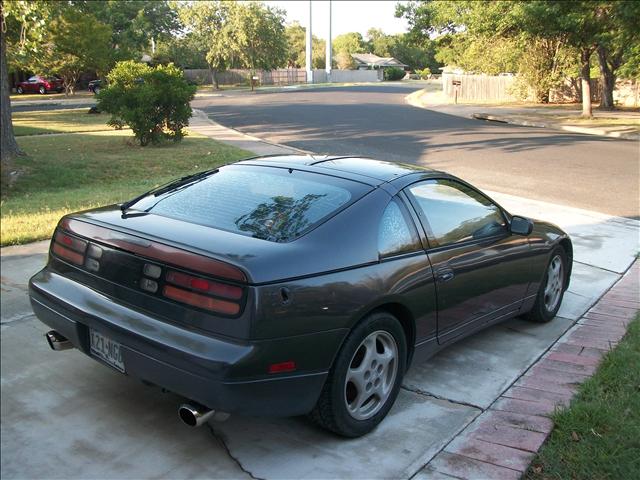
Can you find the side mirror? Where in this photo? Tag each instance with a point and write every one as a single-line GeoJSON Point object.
{"type": "Point", "coordinates": [521, 225]}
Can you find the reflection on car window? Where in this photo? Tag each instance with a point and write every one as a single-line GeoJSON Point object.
{"type": "Point", "coordinates": [456, 213]}
{"type": "Point", "coordinates": [258, 202]}
{"type": "Point", "coordinates": [394, 235]}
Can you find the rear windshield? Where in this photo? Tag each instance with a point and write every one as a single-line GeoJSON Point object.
{"type": "Point", "coordinates": [273, 204]}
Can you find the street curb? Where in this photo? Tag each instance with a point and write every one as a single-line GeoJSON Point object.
{"type": "Point", "coordinates": [202, 116]}
{"type": "Point", "coordinates": [568, 128]}
{"type": "Point", "coordinates": [503, 440]}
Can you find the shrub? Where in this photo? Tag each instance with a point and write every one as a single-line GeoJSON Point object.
{"type": "Point", "coordinates": [393, 73]}
{"type": "Point", "coordinates": [154, 102]}
{"type": "Point", "coordinates": [425, 73]}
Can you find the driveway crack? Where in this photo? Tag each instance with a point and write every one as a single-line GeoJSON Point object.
{"type": "Point", "coordinates": [224, 445]}
{"type": "Point", "coordinates": [439, 397]}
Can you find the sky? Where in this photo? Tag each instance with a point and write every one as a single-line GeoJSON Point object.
{"type": "Point", "coordinates": [347, 16]}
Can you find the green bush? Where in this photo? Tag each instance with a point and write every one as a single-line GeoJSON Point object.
{"type": "Point", "coordinates": [425, 73]}
{"type": "Point", "coordinates": [393, 73]}
{"type": "Point", "coordinates": [153, 101]}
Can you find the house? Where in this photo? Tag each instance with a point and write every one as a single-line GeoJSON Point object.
{"type": "Point", "coordinates": [369, 61]}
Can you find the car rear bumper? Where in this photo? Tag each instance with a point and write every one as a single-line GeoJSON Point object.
{"type": "Point", "coordinates": [216, 372]}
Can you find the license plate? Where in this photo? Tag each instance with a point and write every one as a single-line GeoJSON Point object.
{"type": "Point", "coordinates": [106, 350]}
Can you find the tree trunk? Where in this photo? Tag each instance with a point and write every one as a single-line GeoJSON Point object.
{"type": "Point", "coordinates": [608, 77]}
{"type": "Point", "coordinates": [214, 78]}
{"type": "Point", "coordinates": [8, 146]}
{"type": "Point", "coordinates": [585, 76]}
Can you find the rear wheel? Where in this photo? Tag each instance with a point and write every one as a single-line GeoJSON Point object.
{"type": "Point", "coordinates": [365, 378]}
{"type": "Point", "coordinates": [551, 289]}
{"type": "Point", "coordinates": [20, 90]}
{"type": "Point", "coordinates": [42, 90]}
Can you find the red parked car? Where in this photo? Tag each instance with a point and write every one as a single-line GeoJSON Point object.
{"type": "Point", "coordinates": [38, 84]}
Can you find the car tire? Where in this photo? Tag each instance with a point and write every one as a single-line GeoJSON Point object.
{"type": "Point", "coordinates": [20, 90]}
{"type": "Point", "coordinates": [551, 289]}
{"type": "Point", "coordinates": [42, 90]}
{"type": "Point", "coordinates": [374, 356]}
{"type": "Point", "coordinates": [96, 90]}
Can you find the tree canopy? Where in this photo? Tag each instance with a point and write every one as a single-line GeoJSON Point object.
{"type": "Point", "coordinates": [545, 41]}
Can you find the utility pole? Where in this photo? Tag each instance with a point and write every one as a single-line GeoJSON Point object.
{"type": "Point", "coordinates": [328, 57]}
{"type": "Point", "coordinates": [308, 50]}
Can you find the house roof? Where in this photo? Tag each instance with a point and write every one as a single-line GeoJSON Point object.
{"type": "Point", "coordinates": [369, 59]}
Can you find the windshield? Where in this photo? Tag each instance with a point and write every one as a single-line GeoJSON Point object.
{"type": "Point", "coordinates": [275, 204]}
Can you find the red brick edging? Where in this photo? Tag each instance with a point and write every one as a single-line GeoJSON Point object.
{"type": "Point", "coordinates": [503, 440]}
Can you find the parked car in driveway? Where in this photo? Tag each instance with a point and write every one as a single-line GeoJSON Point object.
{"type": "Point", "coordinates": [95, 86]}
{"type": "Point", "coordinates": [292, 285]}
{"type": "Point", "coordinates": [41, 85]}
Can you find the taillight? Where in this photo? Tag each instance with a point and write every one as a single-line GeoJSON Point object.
{"type": "Point", "coordinates": [199, 292]}
{"type": "Point", "coordinates": [201, 301]}
{"type": "Point", "coordinates": [69, 248]}
{"type": "Point", "coordinates": [204, 285]}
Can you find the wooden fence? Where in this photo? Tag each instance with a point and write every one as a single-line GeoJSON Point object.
{"type": "Point", "coordinates": [482, 88]}
{"type": "Point", "coordinates": [283, 76]}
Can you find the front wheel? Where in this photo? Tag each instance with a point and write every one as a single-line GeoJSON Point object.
{"type": "Point", "coordinates": [365, 378]}
{"type": "Point", "coordinates": [42, 90]}
{"type": "Point", "coordinates": [551, 289]}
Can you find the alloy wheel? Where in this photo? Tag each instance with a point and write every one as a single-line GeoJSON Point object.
{"type": "Point", "coordinates": [371, 375]}
{"type": "Point", "coordinates": [555, 281]}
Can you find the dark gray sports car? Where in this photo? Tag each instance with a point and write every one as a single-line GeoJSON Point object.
{"type": "Point", "coordinates": [294, 284]}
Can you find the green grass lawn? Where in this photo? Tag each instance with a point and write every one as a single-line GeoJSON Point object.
{"type": "Point", "coordinates": [65, 173]}
{"type": "Point", "coordinates": [598, 436]}
{"type": "Point", "coordinates": [58, 121]}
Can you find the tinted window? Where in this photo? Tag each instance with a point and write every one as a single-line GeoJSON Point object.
{"type": "Point", "coordinates": [395, 236]}
{"type": "Point", "coordinates": [455, 212]}
{"type": "Point", "coordinates": [268, 203]}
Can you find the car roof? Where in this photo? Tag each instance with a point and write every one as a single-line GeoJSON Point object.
{"type": "Point", "coordinates": [351, 167]}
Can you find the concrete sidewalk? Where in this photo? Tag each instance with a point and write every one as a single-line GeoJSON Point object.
{"type": "Point", "coordinates": [615, 124]}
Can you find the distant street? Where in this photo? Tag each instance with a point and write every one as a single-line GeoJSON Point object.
{"type": "Point", "coordinates": [584, 171]}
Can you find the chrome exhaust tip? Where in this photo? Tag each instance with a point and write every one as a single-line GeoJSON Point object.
{"type": "Point", "coordinates": [194, 414]}
{"type": "Point", "coordinates": [57, 342]}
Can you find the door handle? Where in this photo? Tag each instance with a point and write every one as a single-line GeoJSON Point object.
{"type": "Point", "coordinates": [445, 276]}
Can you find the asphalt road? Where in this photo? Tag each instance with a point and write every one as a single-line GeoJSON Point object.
{"type": "Point", "coordinates": [584, 171]}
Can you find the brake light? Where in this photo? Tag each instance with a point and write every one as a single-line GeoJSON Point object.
{"type": "Point", "coordinates": [69, 248]}
{"type": "Point", "coordinates": [67, 254]}
{"type": "Point", "coordinates": [204, 285]}
{"type": "Point", "coordinates": [201, 301]}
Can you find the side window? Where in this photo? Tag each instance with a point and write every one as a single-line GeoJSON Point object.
{"type": "Point", "coordinates": [456, 213]}
{"type": "Point", "coordinates": [396, 234]}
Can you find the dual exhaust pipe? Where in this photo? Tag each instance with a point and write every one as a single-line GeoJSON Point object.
{"type": "Point", "coordinates": [191, 413]}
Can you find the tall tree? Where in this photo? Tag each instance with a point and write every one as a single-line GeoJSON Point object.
{"type": "Point", "coordinates": [255, 35]}
{"type": "Point", "coordinates": [136, 24]}
{"type": "Point", "coordinates": [351, 42]}
{"type": "Point", "coordinates": [616, 44]}
{"type": "Point", "coordinates": [205, 22]}
{"type": "Point", "coordinates": [22, 31]}
{"type": "Point", "coordinates": [9, 147]}
{"type": "Point", "coordinates": [76, 42]}
{"type": "Point", "coordinates": [296, 44]}
{"type": "Point", "coordinates": [577, 24]}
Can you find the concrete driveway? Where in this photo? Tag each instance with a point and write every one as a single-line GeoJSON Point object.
{"type": "Point", "coordinates": [64, 415]}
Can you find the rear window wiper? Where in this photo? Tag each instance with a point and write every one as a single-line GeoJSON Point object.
{"type": "Point", "coordinates": [168, 187]}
